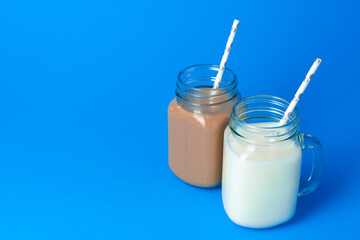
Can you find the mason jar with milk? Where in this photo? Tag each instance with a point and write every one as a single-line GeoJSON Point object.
{"type": "Point", "coordinates": [262, 163]}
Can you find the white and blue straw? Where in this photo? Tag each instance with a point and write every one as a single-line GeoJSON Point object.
{"type": "Point", "coordinates": [226, 54]}
{"type": "Point", "coordinates": [299, 92]}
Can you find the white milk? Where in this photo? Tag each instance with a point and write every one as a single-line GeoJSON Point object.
{"type": "Point", "coordinates": [260, 182]}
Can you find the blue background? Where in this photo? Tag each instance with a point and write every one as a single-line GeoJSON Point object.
{"type": "Point", "coordinates": [84, 90]}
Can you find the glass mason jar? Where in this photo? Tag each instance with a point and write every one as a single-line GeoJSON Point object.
{"type": "Point", "coordinates": [262, 163]}
{"type": "Point", "coordinates": [197, 118]}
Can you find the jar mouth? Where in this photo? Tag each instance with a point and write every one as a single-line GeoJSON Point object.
{"type": "Point", "coordinates": [195, 92]}
{"type": "Point", "coordinates": [202, 85]}
{"type": "Point", "coordinates": [256, 117]}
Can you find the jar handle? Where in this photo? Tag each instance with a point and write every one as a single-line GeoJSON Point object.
{"type": "Point", "coordinates": [308, 141]}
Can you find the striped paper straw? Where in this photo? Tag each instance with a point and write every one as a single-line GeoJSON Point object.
{"type": "Point", "coordinates": [300, 91]}
{"type": "Point", "coordinates": [226, 54]}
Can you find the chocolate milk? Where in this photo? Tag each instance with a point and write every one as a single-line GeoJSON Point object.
{"type": "Point", "coordinates": [196, 145]}
{"type": "Point", "coordinates": [197, 118]}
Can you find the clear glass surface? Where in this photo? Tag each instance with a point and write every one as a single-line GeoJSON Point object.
{"type": "Point", "coordinates": [262, 163]}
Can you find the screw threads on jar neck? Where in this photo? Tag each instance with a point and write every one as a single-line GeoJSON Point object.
{"type": "Point", "coordinates": [255, 119]}
{"type": "Point", "coordinates": [194, 90]}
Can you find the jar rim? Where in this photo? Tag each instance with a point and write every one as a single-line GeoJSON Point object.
{"type": "Point", "coordinates": [291, 124]}
{"type": "Point", "coordinates": [194, 91]}
{"type": "Point", "coordinates": [231, 85]}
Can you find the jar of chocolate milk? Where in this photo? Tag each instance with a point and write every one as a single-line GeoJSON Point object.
{"type": "Point", "coordinates": [197, 118]}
